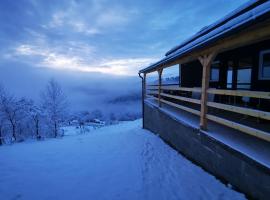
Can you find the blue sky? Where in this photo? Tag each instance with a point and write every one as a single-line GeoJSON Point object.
{"type": "Point", "coordinates": [99, 36]}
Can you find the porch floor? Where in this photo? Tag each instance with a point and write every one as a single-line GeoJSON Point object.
{"type": "Point", "coordinates": [256, 149]}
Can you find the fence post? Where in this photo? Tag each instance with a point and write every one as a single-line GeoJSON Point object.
{"type": "Point", "coordinates": [159, 86]}
{"type": "Point", "coordinates": [206, 61]}
{"type": "Point", "coordinates": [144, 86]}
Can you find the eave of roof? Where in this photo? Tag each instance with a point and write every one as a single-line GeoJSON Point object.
{"type": "Point", "coordinates": [239, 19]}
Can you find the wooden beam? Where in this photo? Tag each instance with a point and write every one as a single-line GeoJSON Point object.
{"type": "Point", "coordinates": [150, 96]}
{"type": "Point", "coordinates": [177, 88]}
{"type": "Point", "coordinates": [206, 61]}
{"type": "Point", "coordinates": [190, 100]}
{"type": "Point", "coordinates": [251, 131]}
{"type": "Point", "coordinates": [190, 110]}
{"type": "Point", "coordinates": [241, 110]}
{"type": "Point", "coordinates": [180, 74]}
{"type": "Point", "coordinates": [144, 85]}
{"type": "Point", "coordinates": [251, 35]}
{"type": "Point", "coordinates": [159, 86]}
{"type": "Point", "coordinates": [241, 93]}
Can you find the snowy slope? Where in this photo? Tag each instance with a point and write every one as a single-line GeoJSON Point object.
{"type": "Point", "coordinates": [117, 162]}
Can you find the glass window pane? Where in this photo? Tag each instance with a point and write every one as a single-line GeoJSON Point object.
{"type": "Point", "coordinates": [266, 72]}
{"type": "Point", "coordinates": [214, 75]}
{"type": "Point", "coordinates": [243, 78]}
{"type": "Point", "coordinates": [265, 65]}
{"type": "Point", "coordinates": [229, 79]}
{"type": "Point", "coordinates": [266, 59]}
{"type": "Point", "coordinates": [244, 75]}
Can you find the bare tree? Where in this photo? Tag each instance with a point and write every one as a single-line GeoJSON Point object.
{"type": "Point", "coordinates": [35, 113]}
{"type": "Point", "coordinates": [30, 118]}
{"type": "Point", "coordinates": [2, 122]}
{"type": "Point", "coordinates": [9, 108]}
{"type": "Point", "coordinates": [54, 104]}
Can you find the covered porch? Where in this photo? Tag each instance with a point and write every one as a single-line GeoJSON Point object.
{"type": "Point", "coordinates": [228, 84]}
{"type": "Point", "coordinates": [216, 110]}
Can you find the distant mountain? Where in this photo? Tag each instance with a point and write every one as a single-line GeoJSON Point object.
{"type": "Point", "coordinates": [126, 98]}
{"type": "Point", "coordinates": [167, 80]}
{"type": "Point", "coordinates": [171, 80]}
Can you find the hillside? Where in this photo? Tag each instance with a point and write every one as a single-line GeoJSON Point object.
{"type": "Point", "coordinates": [115, 162]}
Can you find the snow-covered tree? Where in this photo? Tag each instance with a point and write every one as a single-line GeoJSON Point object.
{"type": "Point", "coordinates": [54, 105]}
{"type": "Point", "coordinates": [9, 109]}
{"type": "Point", "coordinates": [36, 115]}
{"type": "Point", "coordinates": [2, 124]}
{"type": "Point", "coordinates": [30, 115]}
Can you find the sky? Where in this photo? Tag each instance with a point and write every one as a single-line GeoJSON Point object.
{"type": "Point", "coordinates": [77, 41]}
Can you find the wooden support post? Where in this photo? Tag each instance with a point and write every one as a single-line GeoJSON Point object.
{"type": "Point", "coordinates": [180, 74]}
{"type": "Point", "coordinates": [159, 86]}
{"type": "Point", "coordinates": [144, 86]}
{"type": "Point", "coordinates": [206, 61]}
{"type": "Point", "coordinates": [143, 95]}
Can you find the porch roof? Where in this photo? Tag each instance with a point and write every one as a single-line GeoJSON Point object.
{"type": "Point", "coordinates": [243, 17]}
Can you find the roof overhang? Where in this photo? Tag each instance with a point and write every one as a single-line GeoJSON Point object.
{"type": "Point", "coordinates": [246, 28]}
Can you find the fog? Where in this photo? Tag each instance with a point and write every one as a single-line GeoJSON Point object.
{"type": "Point", "coordinates": [85, 91]}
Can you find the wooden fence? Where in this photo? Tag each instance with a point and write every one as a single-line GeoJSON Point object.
{"type": "Point", "coordinates": [159, 92]}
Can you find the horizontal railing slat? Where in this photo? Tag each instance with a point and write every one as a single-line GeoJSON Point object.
{"type": "Point", "coordinates": [237, 109]}
{"type": "Point", "coordinates": [196, 101]}
{"type": "Point", "coordinates": [174, 88]}
{"type": "Point", "coordinates": [240, 127]}
{"type": "Point", "coordinates": [152, 92]}
{"type": "Point", "coordinates": [241, 110]}
{"type": "Point", "coordinates": [149, 96]}
{"type": "Point", "coordinates": [196, 112]}
{"type": "Point", "coordinates": [177, 88]}
{"type": "Point", "coordinates": [242, 93]}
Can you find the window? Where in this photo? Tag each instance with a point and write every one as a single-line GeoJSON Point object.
{"type": "Point", "coordinates": [229, 78]}
{"type": "Point", "coordinates": [264, 69]}
{"type": "Point", "coordinates": [244, 71]}
{"type": "Point", "coordinates": [214, 75]}
{"type": "Point", "coordinates": [243, 78]}
{"type": "Point", "coordinates": [230, 74]}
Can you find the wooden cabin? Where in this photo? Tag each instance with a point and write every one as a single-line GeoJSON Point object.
{"type": "Point", "coordinates": [218, 113]}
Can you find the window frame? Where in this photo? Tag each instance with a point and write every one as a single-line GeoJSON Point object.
{"type": "Point", "coordinates": [262, 53]}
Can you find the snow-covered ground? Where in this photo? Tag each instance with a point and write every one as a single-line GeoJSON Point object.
{"type": "Point", "coordinates": [115, 162]}
{"type": "Point", "coordinates": [76, 130]}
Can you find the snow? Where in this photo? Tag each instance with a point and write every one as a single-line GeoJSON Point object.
{"type": "Point", "coordinates": [190, 121]}
{"type": "Point", "coordinates": [115, 162]}
{"type": "Point", "coordinates": [76, 130]}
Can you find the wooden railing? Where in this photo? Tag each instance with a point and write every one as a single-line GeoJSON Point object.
{"type": "Point", "coordinates": [153, 91]}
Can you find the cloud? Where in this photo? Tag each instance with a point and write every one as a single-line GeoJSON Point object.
{"type": "Point", "coordinates": [50, 58]}
{"type": "Point", "coordinates": [70, 22]}
{"type": "Point", "coordinates": [105, 36]}
{"type": "Point", "coordinates": [99, 18]}
{"type": "Point", "coordinates": [114, 17]}
{"type": "Point", "coordinates": [81, 27]}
